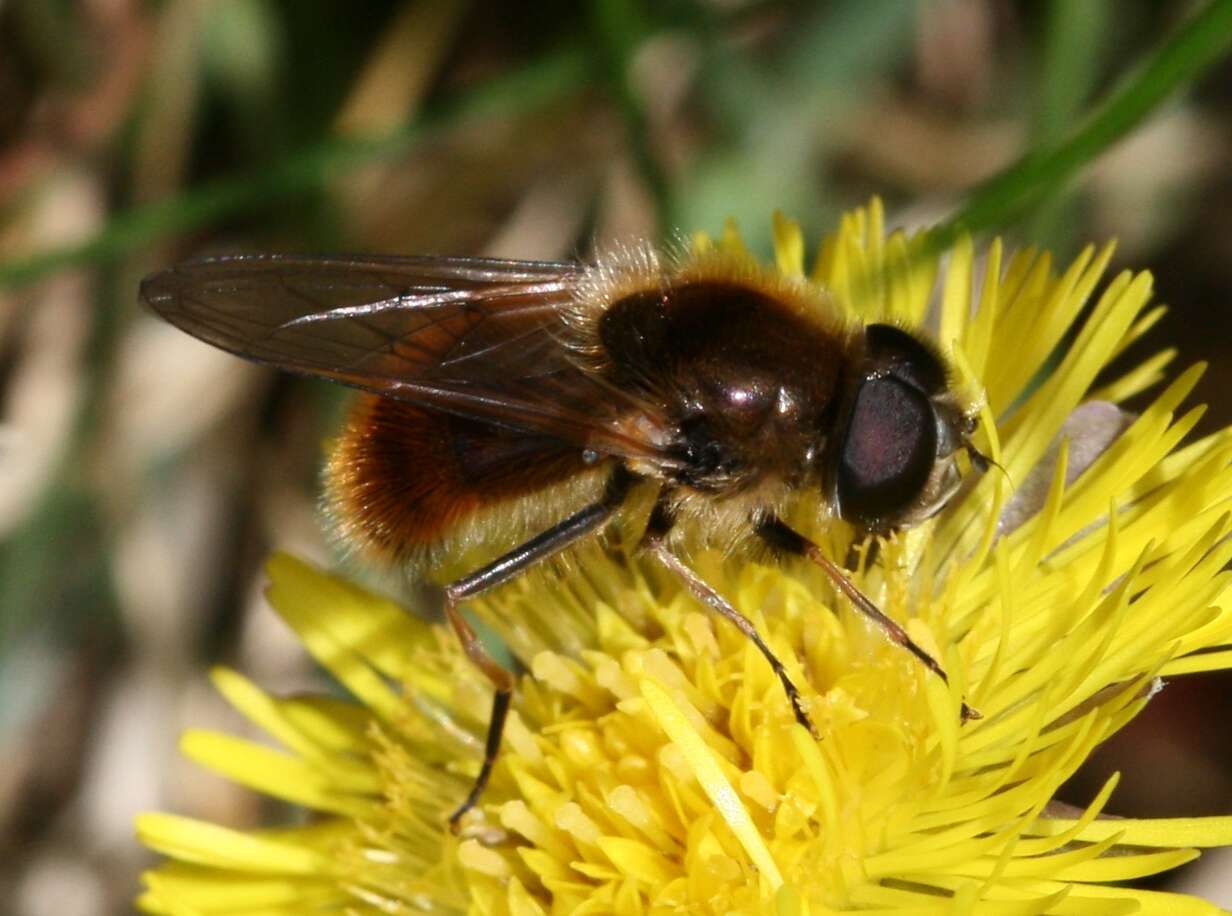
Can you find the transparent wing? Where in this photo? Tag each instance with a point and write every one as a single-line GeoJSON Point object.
{"type": "Point", "coordinates": [477, 337]}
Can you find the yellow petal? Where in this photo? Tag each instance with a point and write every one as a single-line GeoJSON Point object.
{"type": "Point", "coordinates": [708, 772]}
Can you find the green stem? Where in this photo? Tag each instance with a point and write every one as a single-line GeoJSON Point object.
{"type": "Point", "coordinates": [539, 84]}
{"type": "Point", "coordinates": [1199, 43]}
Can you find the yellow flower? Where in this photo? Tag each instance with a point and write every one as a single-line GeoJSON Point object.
{"type": "Point", "coordinates": [652, 764]}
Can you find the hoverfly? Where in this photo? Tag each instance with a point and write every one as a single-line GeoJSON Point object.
{"type": "Point", "coordinates": [521, 402]}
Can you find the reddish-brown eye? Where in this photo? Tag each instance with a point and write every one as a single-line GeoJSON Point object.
{"type": "Point", "coordinates": [887, 454]}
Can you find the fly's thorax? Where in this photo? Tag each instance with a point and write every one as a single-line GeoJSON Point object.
{"type": "Point", "coordinates": [745, 380]}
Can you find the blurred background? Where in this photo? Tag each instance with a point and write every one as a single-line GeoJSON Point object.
{"type": "Point", "coordinates": [144, 477]}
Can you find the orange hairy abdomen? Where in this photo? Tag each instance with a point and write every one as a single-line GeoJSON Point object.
{"type": "Point", "coordinates": [402, 481]}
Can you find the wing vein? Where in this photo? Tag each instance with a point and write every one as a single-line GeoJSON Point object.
{"type": "Point", "coordinates": [484, 339]}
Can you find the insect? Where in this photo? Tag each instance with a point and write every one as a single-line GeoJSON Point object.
{"type": "Point", "coordinates": [516, 405]}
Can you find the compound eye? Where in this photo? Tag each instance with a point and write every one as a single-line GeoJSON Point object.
{"type": "Point", "coordinates": [887, 455]}
{"type": "Point", "coordinates": [895, 352]}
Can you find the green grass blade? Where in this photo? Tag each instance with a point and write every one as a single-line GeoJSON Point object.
{"type": "Point", "coordinates": [1197, 45]}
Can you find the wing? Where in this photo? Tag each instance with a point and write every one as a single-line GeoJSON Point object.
{"type": "Point", "coordinates": [477, 337]}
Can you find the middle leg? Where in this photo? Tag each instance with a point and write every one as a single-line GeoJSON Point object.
{"type": "Point", "coordinates": [653, 544]}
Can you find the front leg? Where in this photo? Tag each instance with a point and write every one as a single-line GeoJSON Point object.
{"type": "Point", "coordinates": [784, 539]}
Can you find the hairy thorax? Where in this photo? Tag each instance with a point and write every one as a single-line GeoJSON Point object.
{"type": "Point", "coordinates": [747, 386]}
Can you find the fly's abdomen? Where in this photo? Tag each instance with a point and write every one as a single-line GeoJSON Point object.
{"type": "Point", "coordinates": [402, 481]}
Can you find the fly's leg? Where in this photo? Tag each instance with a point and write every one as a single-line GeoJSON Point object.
{"type": "Point", "coordinates": [499, 571]}
{"type": "Point", "coordinates": [652, 544]}
{"type": "Point", "coordinates": [783, 539]}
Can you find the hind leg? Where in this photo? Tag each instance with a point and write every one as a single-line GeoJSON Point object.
{"type": "Point", "coordinates": [499, 571]}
